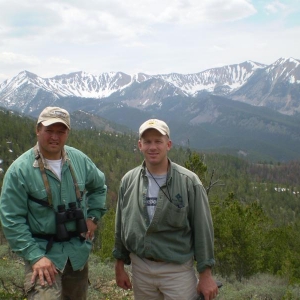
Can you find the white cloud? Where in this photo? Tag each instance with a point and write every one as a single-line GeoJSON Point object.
{"type": "Point", "coordinates": [16, 59]}
{"type": "Point", "coordinates": [155, 36]}
{"type": "Point", "coordinates": [275, 7]}
{"type": "Point", "coordinates": [58, 60]}
{"type": "Point", "coordinates": [217, 48]}
{"type": "Point", "coordinates": [95, 20]}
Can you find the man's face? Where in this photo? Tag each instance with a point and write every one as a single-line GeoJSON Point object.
{"type": "Point", "coordinates": [154, 146]}
{"type": "Point", "coordinates": [52, 139]}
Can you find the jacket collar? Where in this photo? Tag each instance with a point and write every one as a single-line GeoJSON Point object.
{"type": "Point", "coordinates": [169, 172]}
{"type": "Point", "coordinates": [36, 150]}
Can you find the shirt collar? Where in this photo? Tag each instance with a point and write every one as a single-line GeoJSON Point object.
{"type": "Point", "coordinates": [143, 169]}
{"type": "Point", "coordinates": [36, 150]}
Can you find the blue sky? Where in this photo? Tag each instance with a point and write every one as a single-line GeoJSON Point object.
{"type": "Point", "coordinates": [51, 38]}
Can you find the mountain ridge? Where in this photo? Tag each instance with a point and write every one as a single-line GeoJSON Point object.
{"type": "Point", "coordinates": [231, 81]}
{"type": "Point", "coordinates": [223, 107]}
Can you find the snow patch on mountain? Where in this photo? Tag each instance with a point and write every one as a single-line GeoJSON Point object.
{"type": "Point", "coordinates": [249, 82]}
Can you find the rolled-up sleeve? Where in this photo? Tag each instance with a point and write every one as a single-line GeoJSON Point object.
{"type": "Point", "coordinates": [202, 226]}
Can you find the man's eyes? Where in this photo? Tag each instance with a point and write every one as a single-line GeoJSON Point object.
{"type": "Point", "coordinates": [156, 142]}
{"type": "Point", "coordinates": [57, 132]}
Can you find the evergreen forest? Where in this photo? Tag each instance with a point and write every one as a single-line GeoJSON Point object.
{"type": "Point", "coordinates": [255, 206]}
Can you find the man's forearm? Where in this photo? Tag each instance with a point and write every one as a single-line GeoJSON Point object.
{"type": "Point", "coordinates": [119, 265]}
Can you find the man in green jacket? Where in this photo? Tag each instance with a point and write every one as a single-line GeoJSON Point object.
{"type": "Point", "coordinates": [52, 197]}
{"type": "Point", "coordinates": [163, 224]}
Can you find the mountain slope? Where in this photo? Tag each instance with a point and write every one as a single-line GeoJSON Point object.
{"type": "Point", "coordinates": [247, 108]}
{"type": "Point", "coordinates": [213, 123]}
{"type": "Point", "coordinates": [275, 86]}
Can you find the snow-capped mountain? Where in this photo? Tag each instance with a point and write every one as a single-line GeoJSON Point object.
{"type": "Point", "coordinates": [231, 77]}
{"type": "Point", "coordinates": [79, 84]}
{"type": "Point", "coordinates": [276, 86]}
{"type": "Point", "coordinates": [248, 108]}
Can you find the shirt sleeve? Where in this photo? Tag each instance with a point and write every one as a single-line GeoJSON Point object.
{"type": "Point", "coordinates": [14, 210]}
{"type": "Point", "coordinates": [96, 190]}
{"type": "Point", "coordinates": [120, 251]}
{"type": "Point", "coordinates": [202, 226]}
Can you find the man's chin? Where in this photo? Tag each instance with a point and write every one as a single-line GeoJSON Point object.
{"type": "Point", "coordinates": [55, 148]}
{"type": "Point", "coordinates": [153, 162]}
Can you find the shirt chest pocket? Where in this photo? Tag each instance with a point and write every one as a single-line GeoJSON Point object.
{"type": "Point", "coordinates": [38, 200]}
{"type": "Point", "coordinates": [174, 217]}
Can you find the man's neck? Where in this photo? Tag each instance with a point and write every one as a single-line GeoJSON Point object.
{"type": "Point", "coordinates": [50, 156]}
{"type": "Point", "coordinates": [158, 169]}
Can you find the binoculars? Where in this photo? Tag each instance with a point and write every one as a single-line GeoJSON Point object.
{"type": "Point", "coordinates": [64, 215]}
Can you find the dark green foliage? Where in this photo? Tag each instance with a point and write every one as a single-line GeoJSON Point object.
{"type": "Point", "coordinates": [195, 164]}
{"type": "Point", "coordinates": [16, 136]}
{"type": "Point", "coordinates": [107, 235]}
{"type": "Point", "coordinates": [249, 235]}
{"type": "Point", "coordinates": [239, 237]}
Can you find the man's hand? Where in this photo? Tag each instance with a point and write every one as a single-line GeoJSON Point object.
{"type": "Point", "coordinates": [91, 229]}
{"type": "Point", "coordinates": [44, 269]}
{"type": "Point", "coordinates": [122, 278]}
{"type": "Point", "coordinates": [207, 285]}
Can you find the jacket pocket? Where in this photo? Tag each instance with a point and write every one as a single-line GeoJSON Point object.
{"type": "Point", "coordinates": [174, 216]}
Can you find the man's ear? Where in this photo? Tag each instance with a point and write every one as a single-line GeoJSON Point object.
{"type": "Point", "coordinates": [139, 144]}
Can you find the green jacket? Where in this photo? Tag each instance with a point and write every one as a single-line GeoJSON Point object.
{"type": "Point", "coordinates": [181, 227]}
{"type": "Point", "coordinates": [22, 218]}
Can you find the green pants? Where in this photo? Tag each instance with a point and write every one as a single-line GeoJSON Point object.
{"type": "Point", "coordinates": [69, 285]}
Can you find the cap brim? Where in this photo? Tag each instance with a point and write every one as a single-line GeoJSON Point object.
{"type": "Point", "coordinates": [53, 121]}
{"type": "Point", "coordinates": [159, 130]}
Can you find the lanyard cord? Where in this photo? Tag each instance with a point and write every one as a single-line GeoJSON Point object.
{"type": "Point", "coordinates": [77, 191]}
{"type": "Point", "coordinates": [45, 179]}
{"type": "Point", "coordinates": [46, 182]}
{"type": "Point", "coordinates": [169, 198]}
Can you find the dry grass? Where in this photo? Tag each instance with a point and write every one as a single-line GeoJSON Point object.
{"type": "Point", "coordinates": [103, 285]}
{"type": "Point", "coordinates": [101, 274]}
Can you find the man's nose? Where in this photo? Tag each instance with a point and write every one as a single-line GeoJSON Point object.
{"type": "Point", "coordinates": [152, 146]}
{"type": "Point", "coordinates": [54, 135]}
